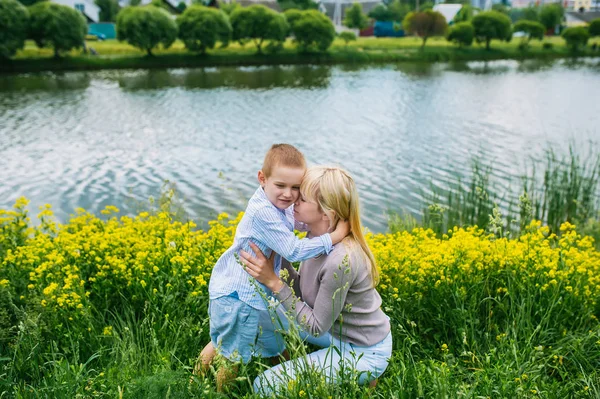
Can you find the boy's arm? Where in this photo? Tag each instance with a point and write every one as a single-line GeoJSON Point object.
{"type": "Point", "coordinates": [268, 227]}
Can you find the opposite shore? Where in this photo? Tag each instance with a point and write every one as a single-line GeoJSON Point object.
{"type": "Point", "coordinates": [112, 54]}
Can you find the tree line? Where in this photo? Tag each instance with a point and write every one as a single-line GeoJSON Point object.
{"type": "Point", "coordinates": [200, 28]}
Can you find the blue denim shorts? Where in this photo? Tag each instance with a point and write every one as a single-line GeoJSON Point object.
{"type": "Point", "coordinates": [239, 332]}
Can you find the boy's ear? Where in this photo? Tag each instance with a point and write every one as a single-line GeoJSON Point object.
{"type": "Point", "coordinates": [262, 179]}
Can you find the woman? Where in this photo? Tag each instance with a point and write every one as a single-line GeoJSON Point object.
{"type": "Point", "coordinates": [332, 294]}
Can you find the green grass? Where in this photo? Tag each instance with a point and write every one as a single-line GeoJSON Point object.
{"type": "Point", "coordinates": [115, 55]}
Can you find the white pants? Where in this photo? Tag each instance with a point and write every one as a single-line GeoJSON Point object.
{"type": "Point", "coordinates": [369, 362]}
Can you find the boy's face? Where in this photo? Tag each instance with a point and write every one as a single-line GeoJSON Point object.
{"type": "Point", "coordinates": [283, 186]}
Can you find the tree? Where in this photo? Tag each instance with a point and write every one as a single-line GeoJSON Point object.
{"type": "Point", "coordinates": [54, 25]}
{"type": "Point", "coordinates": [381, 13]}
{"type": "Point", "coordinates": [181, 6]}
{"type": "Point", "coordinates": [501, 8]}
{"type": "Point", "coordinates": [313, 29]}
{"type": "Point", "coordinates": [297, 4]}
{"type": "Point", "coordinates": [146, 27]}
{"type": "Point", "coordinates": [394, 11]}
{"type": "Point", "coordinates": [465, 14]}
{"type": "Point", "coordinates": [551, 15]}
{"type": "Point", "coordinates": [425, 24]}
{"type": "Point", "coordinates": [594, 27]}
{"type": "Point", "coordinates": [14, 19]}
{"type": "Point", "coordinates": [355, 19]}
{"type": "Point", "coordinates": [576, 36]}
{"type": "Point", "coordinates": [399, 10]}
{"type": "Point", "coordinates": [532, 30]}
{"type": "Point", "coordinates": [531, 13]}
{"type": "Point", "coordinates": [258, 23]}
{"type": "Point", "coordinates": [108, 10]}
{"type": "Point", "coordinates": [462, 34]}
{"type": "Point", "coordinates": [490, 25]}
{"type": "Point", "coordinates": [230, 7]}
{"type": "Point", "coordinates": [347, 37]}
{"type": "Point", "coordinates": [201, 27]}
{"type": "Point", "coordinates": [292, 15]}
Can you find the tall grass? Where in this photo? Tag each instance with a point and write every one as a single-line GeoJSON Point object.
{"type": "Point", "coordinates": [566, 191]}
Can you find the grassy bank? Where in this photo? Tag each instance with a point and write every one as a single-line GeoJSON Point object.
{"type": "Point", "coordinates": [116, 55]}
{"type": "Point", "coordinates": [109, 306]}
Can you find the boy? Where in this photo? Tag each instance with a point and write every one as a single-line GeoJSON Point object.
{"type": "Point", "coordinates": [239, 319]}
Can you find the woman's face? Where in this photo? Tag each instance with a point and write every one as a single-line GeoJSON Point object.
{"type": "Point", "coordinates": [307, 212]}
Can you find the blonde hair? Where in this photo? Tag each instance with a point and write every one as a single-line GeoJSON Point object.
{"type": "Point", "coordinates": [334, 190]}
{"type": "Point", "coordinates": [282, 155]}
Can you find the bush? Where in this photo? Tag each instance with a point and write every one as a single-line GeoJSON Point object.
{"type": "Point", "coordinates": [425, 24]}
{"type": "Point", "coordinates": [355, 19]}
{"type": "Point", "coordinates": [576, 37]}
{"type": "Point", "coordinates": [146, 27]}
{"type": "Point", "coordinates": [313, 29]}
{"type": "Point", "coordinates": [532, 30]}
{"type": "Point", "coordinates": [258, 23]}
{"type": "Point", "coordinates": [347, 37]}
{"type": "Point", "coordinates": [60, 27]}
{"type": "Point", "coordinates": [594, 27]}
{"type": "Point", "coordinates": [292, 15]}
{"type": "Point", "coordinates": [462, 34]}
{"type": "Point", "coordinates": [548, 46]}
{"type": "Point", "coordinates": [490, 25]}
{"type": "Point", "coordinates": [14, 19]}
{"type": "Point", "coordinates": [201, 27]}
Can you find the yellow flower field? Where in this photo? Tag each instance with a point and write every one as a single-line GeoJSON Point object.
{"type": "Point", "coordinates": [131, 294]}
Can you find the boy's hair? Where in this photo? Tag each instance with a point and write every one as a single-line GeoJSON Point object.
{"type": "Point", "coordinates": [334, 190]}
{"type": "Point", "coordinates": [282, 155]}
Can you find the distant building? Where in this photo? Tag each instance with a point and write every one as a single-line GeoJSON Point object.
{"type": "Point", "coordinates": [90, 11]}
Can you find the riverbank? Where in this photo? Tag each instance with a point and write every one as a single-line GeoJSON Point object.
{"type": "Point", "coordinates": [112, 54]}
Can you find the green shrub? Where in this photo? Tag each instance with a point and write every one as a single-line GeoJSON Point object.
{"type": "Point", "coordinates": [146, 27]}
{"type": "Point", "coordinates": [258, 23]}
{"type": "Point", "coordinates": [532, 30]}
{"type": "Point", "coordinates": [425, 24]}
{"type": "Point", "coordinates": [54, 25]}
{"type": "Point", "coordinates": [576, 37]}
{"type": "Point", "coordinates": [355, 18]}
{"type": "Point", "coordinates": [313, 30]}
{"type": "Point", "coordinates": [490, 25]}
{"type": "Point", "coordinates": [201, 27]}
{"type": "Point", "coordinates": [14, 19]}
{"type": "Point", "coordinates": [462, 34]}
{"type": "Point", "coordinates": [548, 46]}
{"type": "Point", "coordinates": [347, 37]}
{"type": "Point", "coordinates": [292, 15]}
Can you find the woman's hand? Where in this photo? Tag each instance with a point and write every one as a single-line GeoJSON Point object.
{"type": "Point", "coordinates": [342, 229]}
{"type": "Point", "coordinates": [261, 268]}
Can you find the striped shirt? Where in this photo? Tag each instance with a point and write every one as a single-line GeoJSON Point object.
{"type": "Point", "coordinates": [271, 229]}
